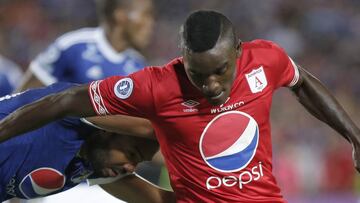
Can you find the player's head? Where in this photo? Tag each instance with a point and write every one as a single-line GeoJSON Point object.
{"type": "Point", "coordinates": [132, 19]}
{"type": "Point", "coordinates": [111, 154]}
{"type": "Point", "coordinates": [210, 49]}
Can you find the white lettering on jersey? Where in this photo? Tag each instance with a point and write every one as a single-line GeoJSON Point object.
{"type": "Point", "coordinates": [256, 80]}
{"type": "Point", "coordinates": [10, 187]}
{"type": "Point", "coordinates": [244, 178]}
{"type": "Point", "coordinates": [229, 107]}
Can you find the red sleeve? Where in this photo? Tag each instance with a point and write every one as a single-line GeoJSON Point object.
{"type": "Point", "coordinates": [130, 95]}
{"type": "Point", "coordinates": [285, 72]}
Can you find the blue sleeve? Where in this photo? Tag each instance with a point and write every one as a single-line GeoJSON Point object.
{"type": "Point", "coordinates": [51, 65]}
{"type": "Point", "coordinates": [12, 102]}
{"type": "Point", "coordinates": [139, 65]}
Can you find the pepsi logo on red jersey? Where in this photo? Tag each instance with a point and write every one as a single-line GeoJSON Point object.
{"type": "Point", "coordinates": [41, 182]}
{"type": "Point", "coordinates": [228, 144]}
{"type": "Point", "coordinates": [233, 148]}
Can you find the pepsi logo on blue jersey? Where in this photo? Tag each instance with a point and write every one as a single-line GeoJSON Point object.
{"type": "Point", "coordinates": [41, 163]}
{"type": "Point", "coordinates": [40, 182]}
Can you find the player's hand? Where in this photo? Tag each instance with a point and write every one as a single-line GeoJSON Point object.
{"type": "Point", "coordinates": [356, 155]}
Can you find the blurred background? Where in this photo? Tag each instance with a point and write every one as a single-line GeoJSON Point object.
{"type": "Point", "coordinates": [312, 163]}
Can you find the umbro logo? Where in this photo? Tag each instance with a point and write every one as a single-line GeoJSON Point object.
{"type": "Point", "coordinates": [190, 104]}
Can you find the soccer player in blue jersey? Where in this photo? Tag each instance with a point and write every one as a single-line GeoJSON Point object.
{"type": "Point", "coordinates": [87, 54]}
{"type": "Point", "coordinates": [67, 152]}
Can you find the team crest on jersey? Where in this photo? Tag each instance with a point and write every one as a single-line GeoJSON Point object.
{"type": "Point", "coordinates": [229, 141]}
{"type": "Point", "coordinates": [123, 88]}
{"type": "Point", "coordinates": [41, 182]}
{"type": "Point", "coordinates": [256, 80]}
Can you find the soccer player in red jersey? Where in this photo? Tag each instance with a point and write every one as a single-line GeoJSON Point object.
{"type": "Point", "coordinates": [210, 110]}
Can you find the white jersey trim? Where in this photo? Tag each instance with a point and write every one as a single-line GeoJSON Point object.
{"type": "Point", "coordinates": [97, 36]}
{"type": "Point", "coordinates": [96, 98]}
{"type": "Point", "coordinates": [106, 49]}
{"type": "Point", "coordinates": [296, 74]}
{"type": "Point", "coordinates": [45, 77]}
{"type": "Point", "coordinates": [76, 37]}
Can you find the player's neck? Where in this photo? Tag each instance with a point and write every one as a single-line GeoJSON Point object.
{"type": "Point", "coordinates": [115, 37]}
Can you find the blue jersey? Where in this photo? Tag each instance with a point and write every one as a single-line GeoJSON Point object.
{"type": "Point", "coordinates": [82, 56]}
{"type": "Point", "coordinates": [41, 162]}
{"type": "Point", "coordinates": [10, 74]}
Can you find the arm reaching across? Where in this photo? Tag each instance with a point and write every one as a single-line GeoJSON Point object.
{"type": "Point", "coordinates": [126, 125]}
{"type": "Point", "coordinates": [71, 102]}
{"type": "Point", "coordinates": [320, 103]}
{"type": "Point", "coordinates": [82, 101]}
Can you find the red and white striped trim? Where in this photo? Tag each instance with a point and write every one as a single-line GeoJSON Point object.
{"type": "Point", "coordinates": [296, 74]}
{"type": "Point", "coordinates": [96, 98]}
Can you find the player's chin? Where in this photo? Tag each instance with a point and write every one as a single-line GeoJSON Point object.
{"type": "Point", "coordinates": [108, 172]}
{"type": "Point", "coordinates": [217, 100]}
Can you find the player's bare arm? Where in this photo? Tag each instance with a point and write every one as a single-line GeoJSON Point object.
{"type": "Point", "coordinates": [137, 190]}
{"type": "Point", "coordinates": [317, 99]}
{"type": "Point", "coordinates": [122, 124]}
{"type": "Point", "coordinates": [71, 102]}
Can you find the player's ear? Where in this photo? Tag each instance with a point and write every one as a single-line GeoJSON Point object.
{"type": "Point", "coordinates": [238, 47]}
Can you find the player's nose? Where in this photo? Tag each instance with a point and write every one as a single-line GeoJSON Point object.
{"type": "Point", "coordinates": [128, 167]}
{"type": "Point", "coordinates": [211, 87]}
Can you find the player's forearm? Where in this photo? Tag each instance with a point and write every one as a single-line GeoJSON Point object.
{"type": "Point", "coordinates": [126, 125]}
{"type": "Point", "coordinates": [45, 110]}
{"type": "Point", "coordinates": [317, 99]}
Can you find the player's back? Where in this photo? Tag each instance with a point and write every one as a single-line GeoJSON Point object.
{"type": "Point", "coordinates": [82, 56]}
{"type": "Point", "coordinates": [34, 164]}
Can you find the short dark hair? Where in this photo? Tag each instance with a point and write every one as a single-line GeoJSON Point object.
{"type": "Point", "coordinates": [105, 8]}
{"type": "Point", "coordinates": [203, 28]}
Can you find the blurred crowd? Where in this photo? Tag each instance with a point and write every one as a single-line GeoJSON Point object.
{"type": "Point", "coordinates": [323, 36]}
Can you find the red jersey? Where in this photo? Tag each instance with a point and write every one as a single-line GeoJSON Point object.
{"type": "Point", "coordinates": [213, 153]}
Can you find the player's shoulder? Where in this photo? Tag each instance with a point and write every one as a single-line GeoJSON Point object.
{"type": "Point", "coordinates": [260, 44]}
{"type": "Point", "coordinates": [80, 36]}
{"type": "Point", "coordinates": [165, 71]}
